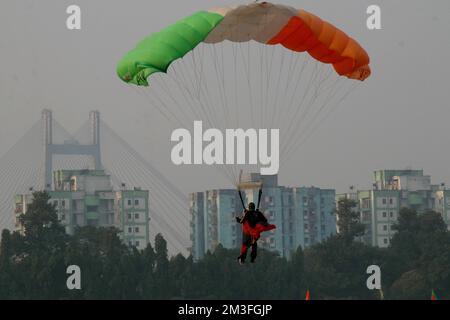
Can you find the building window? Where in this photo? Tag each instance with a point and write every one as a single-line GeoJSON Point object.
{"type": "Point", "coordinates": [136, 215]}
{"type": "Point", "coordinates": [384, 227]}
{"type": "Point", "coordinates": [306, 226]}
{"type": "Point", "coordinates": [137, 243]}
{"type": "Point", "coordinates": [384, 214]}
{"type": "Point", "coordinates": [130, 243]}
{"type": "Point", "coordinates": [136, 202]}
{"type": "Point", "coordinates": [384, 200]}
{"type": "Point", "coordinates": [385, 240]}
{"type": "Point", "coordinates": [129, 202]}
{"type": "Point", "coordinates": [130, 230]}
{"type": "Point", "coordinates": [290, 199]}
{"type": "Point", "coordinates": [63, 203]}
{"type": "Point", "coordinates": [63, 217]}
{"type": "Point", "coordinates": [129, 216]}
{"type": "Point", "coordinates": [136, 229]}
{"type": "Point", "coordinates": [391, 201]}
{"type": "Point", "coordinates": [391, 214]}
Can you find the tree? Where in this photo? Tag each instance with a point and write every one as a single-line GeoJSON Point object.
{"type": "Point", "coordinates": [162, 267]}
{"type": "Point", "coordinates": [348, 219]}
{"type": "Point", "coordinates": [336, 268]}
{"type": "Point", "coordinates": [420, 250]}
{"type": "Point", "coordinates": [38, 263]}
{"type": "Point", "coordinates": [41, 221]}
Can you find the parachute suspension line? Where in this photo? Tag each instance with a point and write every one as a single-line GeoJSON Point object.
{"type": "Point", "coordinates": [186, 98]}
{"type": "Point", "coordinates": [311, 93]}
{"type": "Point", "coordinates": [247, 76]}
{"type": "Point", "coordinates": [242, 199]}
{"type": "Point", "coordinates": [259, 198]}
{"type": "Point", "coordinates": [219, 86]}
{"type": "Point", "coordinates": [308, 132]}
{"type": "Point", "coordinates": [138, 91]}
{"type": "Point", "coordinates": [221, 82]}
{"type": "Point", "coordinates": [261, 77]}
{"type": "Point", "coordinates": [166, 89]}
{"type": "Point", "coordinates": [154, 93]}
{"type": "Point", "coordinates": [144, 94]}
{"type": "Point", "coordinates": [224, 82]}
{"type": "Point", "coordinates": [300, 116]}
{"type": "Point", "coordinates": [201, 58]}
{"type": "Point", "coordinates": [275, 102]}
{"type": "Point", "coordinates": [280, 105]}
{"type": "Point", "coordinates": [318, 110]}
{"type": "Point", "coordinates": [183, 89]}
{"type": "Point", "coordinates": [162, 82]}
{"type": "Point", "coordinates": [266, 84]}
{"type": "Point", "coordinates": [289, 137]}
{"type": "Point", "coordinates": [269, 75]}
{"type": "Point", "coordinates": [250, 84]}
{"type": "Point", "coordinates": [298, 80]}
{"type": "Point", "coordinates": [222, 97]}
{"type": "Point", "coordinates": [236, 106]}
{"type": "Point", "coordinates": [222, 169]}
{"type": "Point", "coordinates": [183, 92]}
{"type": "Point", "coordinates": [332, 108]}
{"type": "Point", "coordinates": [197, 71]}
{"type": "Point", "coordinates": [309, 106]}
{"type": "Point", "coordinates": [234, 170]}
{"type": "Point", "coordinates": [206, 110]}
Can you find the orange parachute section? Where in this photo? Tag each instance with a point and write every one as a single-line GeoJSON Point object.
{"type": "Point", "coordinates": [326, 43]}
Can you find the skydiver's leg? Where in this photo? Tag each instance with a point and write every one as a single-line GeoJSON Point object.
{"type": "Point", "coordinates": [246, 243]}
{"type": "Point", "coordinates": [254, 252]}
{"type": "Point", "coordinates": [244, 250]}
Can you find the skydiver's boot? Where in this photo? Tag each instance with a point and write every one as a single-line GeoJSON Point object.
{"type": "Point", "coordinates": [243, 256]}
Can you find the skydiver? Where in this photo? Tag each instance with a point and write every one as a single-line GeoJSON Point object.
{"type": "Point", "coordinates": [253, 223]}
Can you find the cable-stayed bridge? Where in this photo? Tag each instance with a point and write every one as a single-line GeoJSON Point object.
{"type": "Point", "coordinates": [47, 146]}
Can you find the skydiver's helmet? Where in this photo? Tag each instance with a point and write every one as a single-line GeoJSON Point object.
{"type": "Point", "coordinates": [251, 206]}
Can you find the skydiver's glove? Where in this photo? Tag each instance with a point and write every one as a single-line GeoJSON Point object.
{"type": "Point", "coordinates": [238, 220]}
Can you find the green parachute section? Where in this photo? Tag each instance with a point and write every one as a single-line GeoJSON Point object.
{"type": "Point", "coordinates": [156, 52]}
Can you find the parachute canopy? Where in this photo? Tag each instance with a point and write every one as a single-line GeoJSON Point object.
{"type": "Point", "coordinates": [266, 23]}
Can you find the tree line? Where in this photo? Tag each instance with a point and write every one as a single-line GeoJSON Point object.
{"type": "Point", "coordinates": [33, 264]}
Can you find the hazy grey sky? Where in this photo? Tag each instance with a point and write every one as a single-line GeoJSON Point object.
{"type": "Point", "coordinates": [398, 118]}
